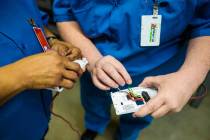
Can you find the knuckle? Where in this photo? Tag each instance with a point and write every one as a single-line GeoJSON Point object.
{"type": "Point", "coordinates": [151, 107]}
{"type": "Point", "coordinates": [69, 84]}
{"type": "Point", "coordinates": [120, 80]}
{"type": "Point", "coordinates": [110, 57]}
{"type": "Point", "coordinates": [177, 110]}
{"type": "Point", "coordinates": [148, 78]}
{"type": "Point", "coordinates": [154, 116]}
{"type": "Point", "coordinates": [98, 72]}
{"type": "Point", "coordinates": [100, 62]}
{"type": "Point", "coordinates": [77, 50]}
{"type": "Point", "coordinates": [55, 82]}
{"type": "Point", "coordinates": [173, 105]}
{"type": "Point", "coordinates": [77, 67]}
{"type": "Point", "coordinates": [57, 72]}
{"type": "Point", "coordinates": [164, 99]}
{"type": "Point", "coordinates": [56, 60]}
{"type": "Point", "coordinates": [101, 78]}
{"type": "Point", "coordinates": [113, 72]}
{"type": "Point", "coordinates": [74, 75]}
{"type": "Point", "coordinates": [97, 64]}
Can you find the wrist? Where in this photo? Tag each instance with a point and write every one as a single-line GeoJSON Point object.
{"type": "Point", "coordinates": [51, 39]}
{"type": "Point", "coordinates": [192, 77]}
{"type": "Point", "coordinates": [92, 62]}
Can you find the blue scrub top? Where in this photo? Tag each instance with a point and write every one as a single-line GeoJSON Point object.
{"type": "Point", "coordinates": [114, 26]}
{"type": "Point", "coordinates": [26, 116]}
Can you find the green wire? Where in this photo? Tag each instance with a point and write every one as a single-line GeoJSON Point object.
{"type": "Point", "coordinates": [133, 94]}
{"type": "Point", "coordinates": [131, 91]}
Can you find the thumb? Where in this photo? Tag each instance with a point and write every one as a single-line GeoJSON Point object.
{"type": "Point", "coordinates": [153, 81]}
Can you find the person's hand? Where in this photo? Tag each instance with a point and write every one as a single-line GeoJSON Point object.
{"type": "Point", "coordinates": [174, 91]}
{"type": "Point", "coordinates": [108, 73]}
{"type": "Point", "coordinates": [47, 70]}
{"type": "Point", "coordinates": [66, 49]}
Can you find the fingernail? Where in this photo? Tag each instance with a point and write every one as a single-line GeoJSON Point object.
{"type": "Point", "coordinates": [134, 115]}
{"type": "Point", "coordinates": [116, 87]}
{"type": "Point", "coordinates": [129, 81]}
{"type": "Point", "coordinates": [108, 89]}
{"type": "Point", "coordinates": [122, 85]}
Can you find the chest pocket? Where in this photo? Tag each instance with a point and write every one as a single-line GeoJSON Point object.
{"type": "Point", "coordinates": [83, 12]}
{"type": "Point", "coordinates": [9, 50]}
{"type": "Point", "coordinates": [176, 15]}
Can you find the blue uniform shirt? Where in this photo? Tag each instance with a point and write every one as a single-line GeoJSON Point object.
{"type": "Point", "coordinates": [114, 26]}
{"type": "Point", "coordinates": [26, 116]}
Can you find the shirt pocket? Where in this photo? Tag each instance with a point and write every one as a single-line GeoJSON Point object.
{"type": "Point", "coordinates": [83, 13]}
{"type": "Point", "coordinates": [175, 16]}
{"type": "Point", "coordinates": [171, 6]}
{"type": "Point", "coordinates": [9, 50]}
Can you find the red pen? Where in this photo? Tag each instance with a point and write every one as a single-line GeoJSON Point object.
{"type": "Point", "coordinates": [40, 36]}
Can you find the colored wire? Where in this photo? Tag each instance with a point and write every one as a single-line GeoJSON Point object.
{"type": "Point", "coordinates": [205, 92]}
{"type": "Point", "coordinates": [61, 117]}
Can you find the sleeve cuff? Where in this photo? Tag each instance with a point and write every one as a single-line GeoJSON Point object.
{"type": "Point", "coordinates": [62, 18]}
{"type": "Point", "coordinates": [45, 17]}
{"type": "Point", "coordinates": [200, 33]}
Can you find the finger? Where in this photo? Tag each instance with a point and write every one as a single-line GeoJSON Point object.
{"type": "Point", "coordinates": [72, 66]}
{"type": "Point", "coordinates": [104, 78]}
{"type": "Point", "coordinates": [55, 48]}
{"type": "Point", "coordinates": [98, 83]}
{"type": "Point", "coordinates": [113, 73]}
{"type": "Point", "coordinates": [152, 106]}
{"type": "Point", "coordinates": [150, 82]}
{"type": "Point", "coordinates": [121, 69]}
{"type": "Point", "coordinates": [67, 44]}
{"type": "Point", "coordinates": [68, 84]}
{"type": "Point", "coordinates": [71, 75]}
{"type": "Point", "coordinates": [162, 111]}
{"type": "Point", "coordinates": [63, 50]}
{"type": "Point", "coordinates": [75, 54]}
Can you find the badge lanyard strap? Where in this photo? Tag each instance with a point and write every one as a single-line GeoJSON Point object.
{"type": "Point", "coordinates": [155, 9]}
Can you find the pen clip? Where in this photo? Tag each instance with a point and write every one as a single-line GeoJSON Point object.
{"type": "Point", "coordinates": [32, 22]}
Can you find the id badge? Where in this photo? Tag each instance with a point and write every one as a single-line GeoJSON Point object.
{"type": "Point", "coordinates": [150, 30]}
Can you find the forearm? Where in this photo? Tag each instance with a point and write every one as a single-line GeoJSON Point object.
{"type": "Point", "coordinates": [11, 79]}
{"type": "Point", "coordinates": [71, 32]}
{"type": "Point", "coordinates": [11, 83]}
{"type": "Point", "coordinates": [197, 62]}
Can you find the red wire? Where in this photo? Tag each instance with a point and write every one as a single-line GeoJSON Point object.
{"type": "Point", "coordinates": [134, 99]}
{"type": "Point", "coordinates": [202, 96]}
